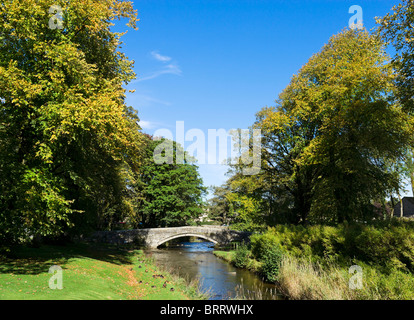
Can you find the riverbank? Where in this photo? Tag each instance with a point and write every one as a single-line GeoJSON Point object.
{"type": "Point", "coordinates": [229, 256]}
{"type": "Point", "coordinates": [302, 279]}
{"type": "Point", "coordinates": [89, 272]}
{"type": "Point", "coordinates": [346, 262]}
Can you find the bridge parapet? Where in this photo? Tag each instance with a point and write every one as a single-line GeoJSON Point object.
{"type": "Point", "coordinates": [153, 237]}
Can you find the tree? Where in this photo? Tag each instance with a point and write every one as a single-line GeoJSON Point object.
{"type": "Point", "coordinates": [219, 207]}
{"type": "Point", "coordinates": [66, 135]}
{"type": "Point", "coordinates": [335, 129]}
{"type": "Point", "coordinates": [247, 202]}
{"type": "Point", "coordinates": [289, 184]}
{"type": "Point", "coordinates": [171, 192]}
{"type": "Point", "coordinates": [397, 29]}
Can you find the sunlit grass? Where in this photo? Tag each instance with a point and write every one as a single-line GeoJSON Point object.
{"type": "Point", "coordinates": [89, 273]}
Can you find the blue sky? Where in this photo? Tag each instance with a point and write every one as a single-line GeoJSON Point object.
{"type": "Point", "coordinates": [214, 63]}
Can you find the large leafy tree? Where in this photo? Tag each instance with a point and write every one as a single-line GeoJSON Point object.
{"type": "Point", "coordinates": [219, 207]}
{"type": "Point", "coordinates": [397, 29]}
{"type": "Point", "coordinates": [335, 130]}
{"type": "Point", "coordinates": [172, 191]}
{"type": "Point", "coordinates": [235, 203]}
{"type": "Point", "coordinates": [68, 141]}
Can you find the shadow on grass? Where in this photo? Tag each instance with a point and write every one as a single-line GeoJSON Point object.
{"type": "Point", "coordinates": [33, 261]}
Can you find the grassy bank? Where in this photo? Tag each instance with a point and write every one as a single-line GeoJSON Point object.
{"type": "Point", "coordinates": [314, 262]}
{"type": "Point", "coordinates": [89, 273]}
{"type": "Point", "coordinates": [229, 256]}
{"type": "Point", "coordinates": [302, 279]}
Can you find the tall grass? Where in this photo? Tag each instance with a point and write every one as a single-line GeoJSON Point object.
{"type": "Point", "coordinates": [302, 279]}
{"type": "Point", "coordinates": [257, 293]}
{"type": "Point", "coordinates": [312, 262]}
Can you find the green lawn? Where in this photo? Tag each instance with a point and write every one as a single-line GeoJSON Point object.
{"type": "Point", "coordinates": [88, 273]}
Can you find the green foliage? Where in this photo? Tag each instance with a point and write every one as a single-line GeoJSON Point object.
{"type": "Point", "coordinates": [266, 249]}
{"type": "Point", "coordinates": [219, 208]}
{"type": "Point", "coordinates": [300, 278]}
{"type": "Point", "coordinates": [171, 193]}
{"type": "Point", "coordinates": [388, 244]}
{"type": "Point", "coordinates": [69, 144]}
{"type": "Point", "coordinates": [397, 29]}
{"type": "Point", "coordinates": [241, 256]}
{"type": "Point", "coordinates": [271, 259]}
{"type": "Point", "coordinates": [391, 285]}
{"type": "Point", "coordinates": [333, 144]}
{"type": "Point", "coordinates": [261, 244]}
{"type": "Point", "coordinates": [240, 203]}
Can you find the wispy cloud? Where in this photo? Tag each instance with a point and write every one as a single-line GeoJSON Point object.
{"type": "Point", "coordinates": [168, 69]}
{"type": "Point", "coordinates": [144, 100]}
{"type": "Point", "coordinates": [160, 57]}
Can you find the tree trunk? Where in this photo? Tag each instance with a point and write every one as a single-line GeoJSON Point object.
{"type": "Point", "coordinates": [401, 206]}
{"type": "Point", "coordinates": [412, 182]}
{"type": "Point", "coordinates": [393, 205]}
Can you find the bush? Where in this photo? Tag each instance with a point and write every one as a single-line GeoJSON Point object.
{"type": "Point", "coordinates": [263, 243]}
{"type": "Point", "coordinates": [271, 264]}
{"type": "Point", "coordinates": [391, 246]}
{"type": "Point", "coordinates": [388, 243]}
{"type": "Point", "coordinates": [317, 259]}
{"type": "Point", "coordinates": [241, 256]}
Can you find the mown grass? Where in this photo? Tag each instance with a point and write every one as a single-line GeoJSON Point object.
{"type": "Point", "coordinates": [88, 273]}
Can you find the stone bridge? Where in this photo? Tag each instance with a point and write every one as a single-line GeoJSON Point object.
{"type": "Point", "coordinates": [153, 237]}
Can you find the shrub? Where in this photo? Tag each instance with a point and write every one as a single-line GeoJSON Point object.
{"type": "Point", "coordinates": [271, 264]}
{"type": "Point", "coordinates": [388, 243]}
{"type": "Point", "coordinates": [241, 256]}
{"type": "Point", "coordinates": [263, 243]}
{"type": "Point", "coordinates": [316, 259]}
{"type": "Point", "coordinates": [391, 246]}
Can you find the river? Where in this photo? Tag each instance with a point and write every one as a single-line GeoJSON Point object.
{"type": "Point", "coordinates": [195, 260]}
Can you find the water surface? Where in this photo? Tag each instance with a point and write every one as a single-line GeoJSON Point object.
{"type": "Point", "coordinates": [193, 260]}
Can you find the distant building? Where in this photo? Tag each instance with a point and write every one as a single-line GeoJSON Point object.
{"type": "Point", "coordinates": [408, 208]}
{"type": "Point", "coordinates": [203, 218]}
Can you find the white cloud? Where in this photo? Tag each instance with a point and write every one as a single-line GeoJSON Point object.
{"type": "Point", "coordinates": [150, 125]}
{"type": "Point", "coordinates": [160, 57]}
{"type": "Point", "coordinates": [168, 69]}
{"type": "Point", "coordinates": [144, 100]}
{"type": "Point", "coordinates": [146, 124]}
